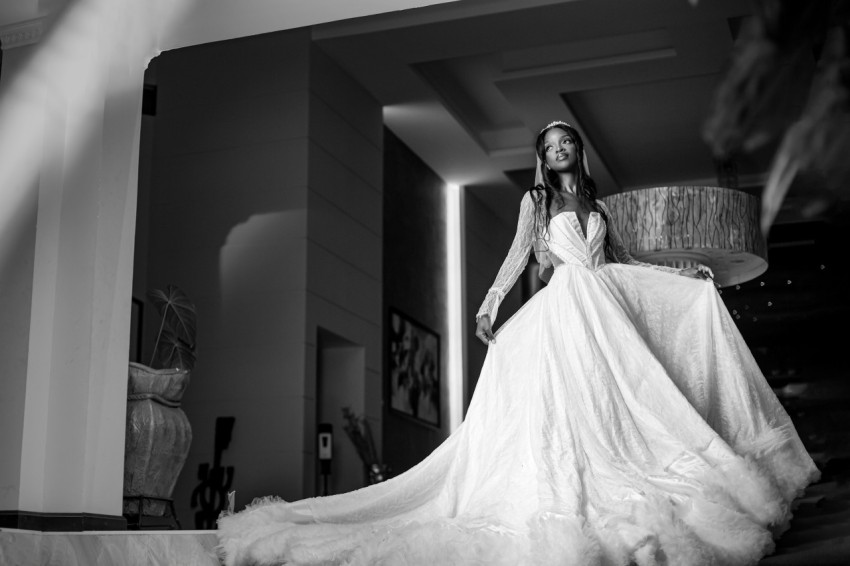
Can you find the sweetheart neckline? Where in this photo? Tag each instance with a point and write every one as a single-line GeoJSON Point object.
{"type": "Point", "coordinates": [584, 233]}
{"type": "Point", "coordinates": [574, 212]}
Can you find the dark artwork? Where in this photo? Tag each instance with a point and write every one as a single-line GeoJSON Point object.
{"type": "Point", "coordinates": [211, 493]}
{"type": "Point", "coordinates": [414, 369]}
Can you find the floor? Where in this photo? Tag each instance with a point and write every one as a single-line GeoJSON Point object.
{"type": "Point", "coordinates": [107, 548]}
{"type": "Point", "coordinates": [819, 536]}
{"type": "Point", "coordinates": [820, 530]}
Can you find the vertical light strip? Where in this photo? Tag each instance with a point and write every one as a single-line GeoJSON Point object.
{"type": "Point", "coordinates": [456, 338]}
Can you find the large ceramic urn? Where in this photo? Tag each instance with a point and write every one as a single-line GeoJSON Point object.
{"type": "Point", "coordinates": [157, 439]}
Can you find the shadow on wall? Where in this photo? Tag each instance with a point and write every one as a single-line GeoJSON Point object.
{"type": "Point", "coordinates": [243, 267]}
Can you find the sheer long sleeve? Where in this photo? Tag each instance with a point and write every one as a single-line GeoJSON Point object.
{"type": "Point", "coordinates": [621, 254]}
{"type": "Point", "coordinates": [515, 261]}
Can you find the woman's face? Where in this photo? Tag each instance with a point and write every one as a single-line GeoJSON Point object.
{"type": "Point", "coordinates": [560, 150]}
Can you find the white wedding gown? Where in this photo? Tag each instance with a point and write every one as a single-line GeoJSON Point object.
{"type": "Point", "coordinates": [619, 419]}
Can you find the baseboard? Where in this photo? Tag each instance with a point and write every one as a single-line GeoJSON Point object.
{"type": "Point", "coordinates": [71, 522]}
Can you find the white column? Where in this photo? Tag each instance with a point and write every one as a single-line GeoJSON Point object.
{"type": "Point", "coordinates": [70, 115]}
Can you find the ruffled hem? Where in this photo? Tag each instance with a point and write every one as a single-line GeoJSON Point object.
{"type": "Point", "coordinates": [549, 539]}
{"type": "Point", "coordinates": [660, 530]}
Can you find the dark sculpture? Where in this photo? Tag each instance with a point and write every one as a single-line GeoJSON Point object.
{"type": "Point", "coordinates": [212, 492]}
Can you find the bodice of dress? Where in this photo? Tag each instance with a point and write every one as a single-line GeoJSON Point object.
{"type": "Point", "coordinates": [566, 243]}
{"type": "Point", "coordinates": [563, 242]}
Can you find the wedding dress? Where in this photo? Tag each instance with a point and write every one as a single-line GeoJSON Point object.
{"type": "Point", "coordinates": [619, 418]}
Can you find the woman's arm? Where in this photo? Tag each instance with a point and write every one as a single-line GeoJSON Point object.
{"type": "Point", "coordinates": [514, 263]}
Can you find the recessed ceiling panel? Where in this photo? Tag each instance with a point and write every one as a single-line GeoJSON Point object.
{"type": "Point", "coordinates": [466, 85]}
{"type": "Point", "coordinates": [649, 134]}
{"type": "Point", "coordinates": [577, 52]}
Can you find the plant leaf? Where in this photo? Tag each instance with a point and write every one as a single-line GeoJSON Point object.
{"type": "Point", "coordinates": [177, 310]}
{"type": "Point", "coordinates": [175, 344]}
{"type": "Point", "coordinates": [364, 445]}
{"type": "Point", "coordinates": [174, 352]}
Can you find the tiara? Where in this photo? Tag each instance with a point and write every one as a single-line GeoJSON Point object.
{"type": "Point", "coordinates": [553, 124]}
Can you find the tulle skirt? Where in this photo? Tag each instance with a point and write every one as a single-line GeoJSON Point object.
{"type": "Point", "coordinates": [619, 419]}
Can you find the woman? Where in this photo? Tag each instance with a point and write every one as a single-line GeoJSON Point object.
{"type": "Point", "coordinates": [618, 419]}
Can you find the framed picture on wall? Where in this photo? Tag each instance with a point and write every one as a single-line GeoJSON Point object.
{"type": "Point", "coordinates": [413, 374]}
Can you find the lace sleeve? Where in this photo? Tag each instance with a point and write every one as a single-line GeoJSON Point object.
{"type": "Point", "coordinates": [514, 263]}
{"type": "Point", "coordinates": [621, 254]}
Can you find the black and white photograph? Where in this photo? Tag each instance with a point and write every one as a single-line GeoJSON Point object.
{"type": "Point", "coordinates": [424, 282]}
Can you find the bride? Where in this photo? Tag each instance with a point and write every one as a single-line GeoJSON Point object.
{"type": "Point", "coordinates": [619, 419]}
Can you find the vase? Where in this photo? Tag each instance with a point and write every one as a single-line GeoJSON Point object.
{"type": "Point", "coordinates": [158, 437]}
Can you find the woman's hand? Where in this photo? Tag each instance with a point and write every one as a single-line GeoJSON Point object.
{"type": "Point", "coordinates": [699, 272]}
{"type": "Point", "coordinates": [484, 331]}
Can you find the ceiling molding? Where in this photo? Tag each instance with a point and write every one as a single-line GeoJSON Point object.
{"type": "Point", "coordinates": [655, 54]}
{"type": "Point", "coordinates": [574, 51]}
{"type": "Point", "coordinates": [524, 151]}
{"type": "Point", "coordinates": [21, 34]}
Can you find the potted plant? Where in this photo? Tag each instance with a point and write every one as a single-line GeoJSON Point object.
{"type": "Point", "coordinates": [158, 434]}
{"type": "Point", "coordinates": [360, 433]}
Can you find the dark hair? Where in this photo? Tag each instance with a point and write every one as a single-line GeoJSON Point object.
{"type": "Point", "coordinates": [543, 194]}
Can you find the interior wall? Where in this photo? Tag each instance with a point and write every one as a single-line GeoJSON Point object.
{"type": "Point", "coordinates": [415, 283]}
{"type": "Point", "coordinates": [344, 238]}
{"type": "Point", "coordinates": [228, 216]}
{"type": "Point", "coordinates": [488, 239]}
{"type": "Point", "coordinates": [265, 208]}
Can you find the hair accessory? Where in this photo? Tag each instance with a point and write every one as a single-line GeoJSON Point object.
{"type": "Point", "coordinates": [555, 123]}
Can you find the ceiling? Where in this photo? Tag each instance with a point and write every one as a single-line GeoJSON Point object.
{"type": "Point", "coordinates": [468, 84]}
{"type": "Point", "coordinates": [182, 23]}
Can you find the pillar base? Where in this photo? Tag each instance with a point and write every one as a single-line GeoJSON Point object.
{"type": "Point", "coordinates": [68, 522]}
